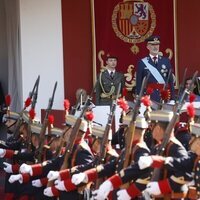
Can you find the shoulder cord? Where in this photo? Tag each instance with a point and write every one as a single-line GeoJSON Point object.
{"type": "Point", "coordinates": [106, 94]}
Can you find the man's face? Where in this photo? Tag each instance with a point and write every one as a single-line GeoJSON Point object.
{"type": "Point", "coordinates": [153, 49]}
{"type": "Point", "coordinates": [111, 63]}
{"type": "Point", "coordinates": [188, 83]}
{"type": "Point", "coordinates": [157, 133]}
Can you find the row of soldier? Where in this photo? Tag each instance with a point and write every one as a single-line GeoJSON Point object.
{"type": "Point", "coordinates": [80, 161]}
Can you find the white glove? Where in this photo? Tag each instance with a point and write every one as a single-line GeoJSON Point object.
{"type": "Point", "coordinates": [36, 183]}
{"type": "Point", "coordinates": [145, 161]}
{"type": "Point", "coordinates": [153, 188]}
{"type": "Point", "coordinates": [52, 175]}
{"type": "Point", "coordinates": [79, 178]}
{"type": "Point", "coordinates": [24, 168]}
{"type": "Point", "coordinates": [4, 118]}
{"type": "Point", "coordinates": [60, 185]}
{"type": "Point", "coordinates": [103, 190]}
{"type": "Point", "coordinates": [48, 192]}
{"type": "Point", "coordinates": [14, 178]}
{"type": "Point", "coordinates": [8, 167]}
{"type": "Point", "coordinates": [123, 195]}
{"type": "Point", "coordinates": [2, 152]}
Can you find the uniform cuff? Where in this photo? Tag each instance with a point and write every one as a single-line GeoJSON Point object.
{"type": "Point", "coordinates": [69, 186]}
{"type": "Point", "coordinates": [91, 174]}
{"type": "Point", "coordinates": [64, 174]}
{"type": "Point", "coordinates": [37, 169]}
{"type": "Point", "coordinates": [133, 191]}
{"type": "Point", "coordinates": [158, 161]}
{"type": "Point", "coordinates": [55, 191]}
{"type": "Point", "coordinates": [116, 181]}
{"type": "Point", "coordinates": [164, 186]}
{"type": "Point", "coordinates": [25, 177]}
{"type": "Point", "coordinates": [9, 153]}
{"type": "Point", "coordinates": [15, 168]}
{"type": "Point", "coordinates": [44, 181]}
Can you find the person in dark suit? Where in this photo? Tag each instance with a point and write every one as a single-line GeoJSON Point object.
{"type": "Point", "coordinates": [108, 82]}
{"type": "Point", "coordinates": [158, 66]}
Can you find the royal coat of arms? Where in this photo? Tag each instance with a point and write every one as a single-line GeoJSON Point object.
{"type": "Point", "coordinates": [133, 21]}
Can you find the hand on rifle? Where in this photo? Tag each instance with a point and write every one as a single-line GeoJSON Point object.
{"type": "Point", "coordinates": [14, 178]}
{"type": "Point", "coordinates": [153, 188]}
{"type": "Point", "coordinates": [53, 175]}
{"type": "Point", "coordinates": [123, 195]}
{"type": "Point", "coordinates": [79, 178]}
{"type": "Point", "coordinates": [24, 168]}
{"type": "Point", "coordinates": [60, 185]}
{"type": "Point", "coordinates": [152, 161]}
{"type": "Point", "coordinates": [36, 183]}
{"type": "Point", "coordinates": [7, 167]}
{"type": "Point", "coordinates": [51, 191]}
{"type": "Point", "coordinates": [103, 191]}
{"type": "Point", "coordinates": [2, 152]}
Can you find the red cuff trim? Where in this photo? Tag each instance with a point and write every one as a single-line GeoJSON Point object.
{"type": "Point", "coordinates": [9, 153]}
{"type": "Point", "coordinates": [133, 191]}
{"type": "Point", "coordinates": [26, 177]}
{"type": "Point", "coordinates": [37, 169]}
{"type": "Point", "coordinates": [92, 174]}
{"type": "Point", "coordinates": [55, 191]}
{"type": "Point", "coordinates": [15, 168]}
{"type": "Point", "coordinates": [116, 181]}
{"type": "Point", "coordinates": [164, 186]}
{"type": "Point", "coordinates": [158, 161]}
{"type": "Point", "coordinates": [64, 174]}
{"type": "Point", "coordinates": [44, 181]}
{"type": "Point", "coordinates": [69, 186]}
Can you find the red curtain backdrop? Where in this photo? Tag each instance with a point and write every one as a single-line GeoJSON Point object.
{"type": "Point", "coordinates": [108, 41]}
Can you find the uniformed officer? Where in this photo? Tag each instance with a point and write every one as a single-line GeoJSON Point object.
{"type": "Point", "coordinates": [108, 82]}
{"type": "Point", "coordinates": [139, 148]}
{"type": "Point", "coordinates": [158, 66]}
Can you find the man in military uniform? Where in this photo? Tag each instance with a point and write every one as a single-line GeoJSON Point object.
{"type": "Point", "coordinates": [158, 66]}
{"type": "Point", "coordinates": [109, 80]}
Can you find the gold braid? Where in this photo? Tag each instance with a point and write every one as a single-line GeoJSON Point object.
{"type": "Point", "coordinates": [106, 94]}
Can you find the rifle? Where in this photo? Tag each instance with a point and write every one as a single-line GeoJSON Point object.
{"type": "Point", "coordinates": [168, 131]}
{"type": "Point", "coordinates": [131, 128]}
{"type": "Point", "coordinates": [20, 119]}
{"type": "Point", "coordinates": [104, 142]}
{"type": "Point", "coordinates": [182, 85]}
{"type": "Point", "coordinates": [39, 151]}
{"type": "Point", "coordinates": [34, 96]}
{"type": "Point", "coordinates": [75, 130]}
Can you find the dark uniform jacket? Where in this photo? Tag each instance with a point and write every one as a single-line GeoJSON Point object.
{"type": "Point", "coordinates": [163, 66]}
{"type": "Point", "coordinates": [104, 85]}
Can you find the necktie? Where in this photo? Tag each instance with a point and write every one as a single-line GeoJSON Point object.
{"type": "Point", "coordinates": [111, 75]}
{"type": "Point", "coordinates": [155, 60]}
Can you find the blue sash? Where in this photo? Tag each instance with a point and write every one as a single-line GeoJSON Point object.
{"type": "Point", "coordinates": [155, 73]}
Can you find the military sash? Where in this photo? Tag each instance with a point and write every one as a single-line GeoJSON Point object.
{"type": "Point", "coordinates": [155, 73]}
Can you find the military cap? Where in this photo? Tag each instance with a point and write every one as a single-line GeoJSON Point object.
{"type": "Point", "coordinates": [153, 39]}
{"type": "Point", "coordinates": [71, 120]}
{"type": "Point", "coordinates": [140, 121]}
{"type": "Point", "coordinates": [57, 132]}
{"type": "Point", "coordinates": [161, 115]}
{"type": "Point", "coordinates": [12, 115]}
{"type": "Point", "coordinates": [195, 129]}
{"type": "Point", "coordinates": [111, 55]}
{"type": "Point", "coordinates": [36, 128]}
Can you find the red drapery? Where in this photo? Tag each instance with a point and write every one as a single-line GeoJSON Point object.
{"type": "Point", "coordinates": [118, 25]}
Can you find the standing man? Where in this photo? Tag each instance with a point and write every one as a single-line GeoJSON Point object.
{"type": "Point", "coordinates": [109, 80]}
{"type": "Point", "coordinates": [158, 66]}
